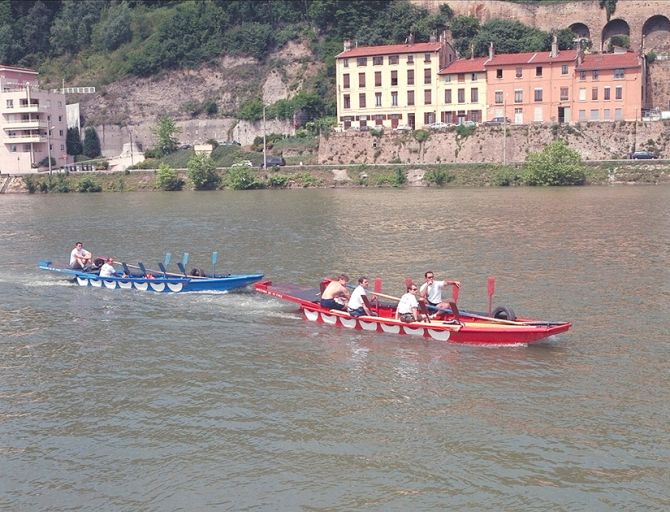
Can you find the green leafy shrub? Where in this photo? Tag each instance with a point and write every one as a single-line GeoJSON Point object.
{"type": "Point", "coordinates": [395, 178]}
{"type": "Point", "coordinates": [202, 172]}
{"type": "Point", "coordinates": [88, 184]}
{"type": "Point", "coordinates": [307, 180]}
{"type": "Point", "coordinates": [278, 180]}
{"type": "Point", "coordinates": [56, 183]}
{"type": "Point", "coordinates": [465, 131]}
{"type": "Point", "coordinates": [556, 164]}
{"type": "Point", "coordinates": [439, 177]}
{"type": "Point", "coordinates": [241, 178]}
{"type": "Point", "coordinates": [421, 135]}
{"type": "Point", "coordinates": [507, 176]}
{"type": "Point", "coordinates": [31, 183]}
{"type": "Point", "coordinates": [168, 179]}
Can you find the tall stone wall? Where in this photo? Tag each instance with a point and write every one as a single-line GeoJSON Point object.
{"type": "Point", "coordinates": [594, 141]}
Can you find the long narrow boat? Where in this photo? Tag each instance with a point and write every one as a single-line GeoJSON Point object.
{"type": "Point", "coordinates": [170, 283]}
{"type": "Point", "coordinates": [453, 327]}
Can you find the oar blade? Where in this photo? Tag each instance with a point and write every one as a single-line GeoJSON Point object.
{"type": "Point", "coordinates": [184, 259]}
{"type": "Point", "coordinates": [377, 287]}
{"type": "Point", "coordinates": [167, 259]}
{"type": "Point", "coordinates": [455, 290]}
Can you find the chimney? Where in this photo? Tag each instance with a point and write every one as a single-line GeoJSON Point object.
{"type": "Point", "coordinates": [491, 52]}
{"type": "Point", "coordinates": [554, 46]}
{"type": "Point", "coordinates": [410, 39]}
{"type": "Point", "coordinates": [347, 45]}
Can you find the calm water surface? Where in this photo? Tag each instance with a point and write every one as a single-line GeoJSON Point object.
{"type": "Point", "coordinates": [122, 400]}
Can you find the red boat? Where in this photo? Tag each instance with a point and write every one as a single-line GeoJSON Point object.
{"type": "Point", "coordinates": [453, 326]}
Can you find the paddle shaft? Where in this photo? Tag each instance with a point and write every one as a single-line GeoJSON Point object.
{"type": "Point", "coordinates": [167, 273]}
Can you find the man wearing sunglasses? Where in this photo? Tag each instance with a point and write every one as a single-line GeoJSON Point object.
{"type": "Point", "coordinates": [431, 290]}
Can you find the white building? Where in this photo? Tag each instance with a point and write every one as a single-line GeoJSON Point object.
{"type": "Point", "coordinates": [33, 123]}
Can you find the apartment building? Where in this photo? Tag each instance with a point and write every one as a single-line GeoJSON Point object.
{"type": "Point", "coordinates": [33, 123]}
{"type": "Point", "coordinates": [608, 87]}
{"type": "Point", "coordinates": [462, 91]}
{"type": "Point", "coordinates": [390, 86]}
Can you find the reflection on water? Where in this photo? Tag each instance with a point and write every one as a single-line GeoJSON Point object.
{"type": "Point", "coordinates": [132, 401]}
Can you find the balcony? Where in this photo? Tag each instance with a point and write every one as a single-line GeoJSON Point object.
{"type": "Point", "coordinates": [25, 124]}
{"type": "Point", "coordinates": [21, 138]}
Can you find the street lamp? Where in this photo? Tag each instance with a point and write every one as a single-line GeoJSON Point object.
{"type": "Point", "coordinates": [49, 146]}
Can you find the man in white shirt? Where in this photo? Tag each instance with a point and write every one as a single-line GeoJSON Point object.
{"type": "Point", "coordinates": [108, 270]}
{"type": "Point", "coordinates": [431, 290]}
{"type": "Point", "coordinates": [408, 306]}
{"type": "Point", "coordinates": [80, 258]}
{"type": "Point", "coordinates": [356, 305]}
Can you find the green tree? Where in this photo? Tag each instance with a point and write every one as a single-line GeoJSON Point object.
{"type": "Point", "coordinates": [464, 29]}
{"type": "Point", "coordinates": [255, 39]}
{"type": "Point", "coordinates": [114, 29]}
{"type": "Point", "coordinates": [510, 36]}
{"type": "Point", "coordinates": [91, 143]}
{"type": "Point", "coordinates": [168, 179]}
{"type": "Point", "coordinates": [241, 178]}
{"type": "Point", "coordinates": [166, 132]}
{"type": "Point", "coordinates": [251, 110]}
{"type": "Point", "coordinates": [202, 172]}
{"type": "Point", "coordinates": [71, 30]}
{"type": "Point", "coordinates": [73, 142]}
{"type": "Point", "coordinates": [556, 164]}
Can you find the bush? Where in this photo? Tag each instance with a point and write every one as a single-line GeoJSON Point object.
{"type": "Point", "coordinates": [91, 143]}
{"type": "Point", "coordinates": [88, 184]}
{"type": "Point", "coordinates": [421, 135]}
{"type": "Point", "coordinates": [556, 164]}
{"type": "Point", "coordinates": [241, 178]}
{"type": "Point", "coordinates": [278, 180]}
{"type": "Point", "coordinates": [507, 176]}
{"type": "Point", "coordinates": [202, 172]}
{"type": "Point", "coordinates": [439, 177]}
{"type": "Point", "coordinates": [31, 183]}
{"type": "Point", "coordinates": [167, 178]}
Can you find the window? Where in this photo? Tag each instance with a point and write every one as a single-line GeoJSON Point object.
{"type": "Point", "coordinates": [537, 116]}
{"type": "Point", "coordinates": [582, 94]}
{"type": "Point", "coordinates": [564, 94]}
{"type": "Point", "coordinates": [474, 77]}
{"type": "Point", "coordinates": [345, 81]}
{"type": "Point", "coordinates": [378, 78]}
{"type": "Point", "coordinates": [345, 63]}
{"type": "Point", "coordinates": [564, 69]}
{"type": "Point", "coordinates": [461, 77]}
{"type": "Point", "coordinates": [461, 95]}
{"type": "Point", "coordinates": [474, 95]}
{"type": "Point", "coordinates": [60, 132]}
{"type": "Point", "coordinates": [394, 98]}
{"type": "Point", "coordinates": [519, 72]}
{"type": "Point", "coordinates": [62, 147]}
{"type": "Point", "coordinates": [499, 97]}
{"type": "Point", "coordinates": [426, 57]}
{"type": "Point", "coordinates": [362, 61]}
{"type": "Point", "coordinates": [427, 97]}
{"type": "Point", "coordinates": [410, 97]}
{"type": "Point", "coordinates": [595, 114]}
{"type": "Point", "coordinates": [582, 75]}
{"type": "Point", "coordinates": [410, 59]}
{"type": "Point", "coordinates": [410, 77]}
{"type": "Point", "coordinates": [447, 79]}
{"type": "Point", "coordinates": [393, 59]}
{"type": "Point", "coordinates": [538, 95]}
{"type": "Point", "coordinates": [518, 96]}
{"type": "Point", "coordinates": [606, 93]}
{"type": "Point", "coordinates": [476, 116]}
{"type": "Point", "coordinates": [361, 100]}
{"type": "Point", "coordinates": [428, 118]}
{"type": "Point", "coordinates": [518, 115]}
{"type": "Point", "coordinates": [427, 74]}
{"type": "Point", "coordinates": [377, 61]}
{"type": "Point", "coordinates": [595, 74]}
{"type": "Point", "coordinates": [361, 80]}
{"type": "Point", "coordinates": [12, 148]}
{"type": "Point", "coordinates": [447, 96]}
{"type": "Point", "coordinates": [594, 93]}
{"type": "Point", "coordinates": [618, 74]}
{"type": "Point", "coordinates": [60, 119]}
{"type": "Point", "coordinates": [10, 103]}
{"type": "Point", "coordinates": [538, 71]}
{"type": "Point", "coordinates": [499, 73]}
{"type": "Point", "coordinates": [607, 116]}
{"type": "Point", "coordinates": [378, 99]}
{"type": "Point", "coordinates": [618, 93]}
{"type": "Point", "coordinates": [582, 115]}
{"type": "Point", "coordinates": [618, 114]}
{"type": "Point", "coordinates": [394, 78]}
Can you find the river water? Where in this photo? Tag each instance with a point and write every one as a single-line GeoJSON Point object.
{"type": "Point", "coordinates": [123, 400]}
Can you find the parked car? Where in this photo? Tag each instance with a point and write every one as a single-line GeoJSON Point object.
{"type": "Point", "coordinates": [243, 163]}
{"type": "Point", "coordinates": [228, 143]}
{"type": "Point", "coordinates": [497, 121]}
{"type": "Point", "coordinates": [642, 155]}
{"type": "Point", "coordinates": [468, 124]}
{"type": "Point", "coordinates": [440, 126]}
{"type": "Point", "coordinates": [402, 128]}
{"type": "Point", "coordinates": [273, 161]}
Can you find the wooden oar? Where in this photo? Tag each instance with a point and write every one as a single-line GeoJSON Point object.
{"type": "Point", "coordinates": [490, 288]}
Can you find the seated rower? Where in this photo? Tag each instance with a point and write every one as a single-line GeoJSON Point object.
{"type": "Point", "coordinates": [357, 304]}
{"type": "Point", "coordinates": [107, 269]}
{"type": "Point", "coordinates": [335, 295]}
{"type": "Point", "coordinates": [431, 292]}
{"type": "Point", "coordinates": [80, 258]}
{"type": "Point", "coordinates": [408, 306]}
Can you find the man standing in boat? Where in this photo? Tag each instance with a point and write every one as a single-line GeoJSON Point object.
{"type": "Point", "coordinates": [80, 258]}
{"type": "Point", "coordinates": [335, 295]}
{"type": "Point", "coordinates": [431, 290]}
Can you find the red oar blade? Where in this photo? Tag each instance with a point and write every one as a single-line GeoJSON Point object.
{"type": "Point", "coordinates": [377, 287]}
{"type": "Point", "coordinates": [491, 285]}
{"type": "Point", "coordinates": [455, 290]}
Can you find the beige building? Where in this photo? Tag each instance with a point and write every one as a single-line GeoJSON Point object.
{"type": "Point", "coordinates": [33, 124]}
{"type": "Point", "coordinates": [391, 86]}
{"type": "Point", "coordinates": [462, 91]}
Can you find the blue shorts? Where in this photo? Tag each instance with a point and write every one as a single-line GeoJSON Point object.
{"type": "Point", "coordinates": [357, 312]}
{"type": "Point", "coordinates": [331, 304]}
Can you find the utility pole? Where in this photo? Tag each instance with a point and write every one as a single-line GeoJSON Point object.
{"type": "Point", "coordinates": [504, 129]}
{"type": "Point", "coordinates": [131, 147]}
{"type": "Point", "coordinates": [265, 157]}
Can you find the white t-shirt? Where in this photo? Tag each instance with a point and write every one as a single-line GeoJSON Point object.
{"type": "Point", "coordinates": [81, 253]}
{"type": "Point", "coordinates": [407, 303]}
{"type": "Point", "coordinates": [433, 292]}
{"type": "Point", "coordinates": [356, 299]}
{"type": "Point", "coordinates": [107, 270]}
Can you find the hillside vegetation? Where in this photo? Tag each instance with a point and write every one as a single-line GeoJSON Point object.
{"type": "Point", "coordinates": [93, 42]}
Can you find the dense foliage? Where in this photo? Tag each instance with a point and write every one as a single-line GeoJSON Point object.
{"type": "Point", "coordinates": [202, 172]}
{"type": "Point", "coordinates": [556, 164]}
{"type": "Point", "coordinates": [91, 147]}
{"type": "Point", "coordinates": [166, 132]}
{"type": "Point", "coordinates": [73, 142]}
{"type": "Point", "coordinates": [168, 179]}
